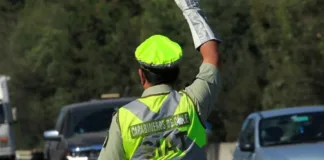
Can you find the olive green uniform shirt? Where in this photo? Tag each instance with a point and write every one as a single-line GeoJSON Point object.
{"type": "Point", "coordinates": [203, 91]}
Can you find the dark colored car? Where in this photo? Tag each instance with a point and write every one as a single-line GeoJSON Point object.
{"type": "Point", "coordinates": [81, 129]}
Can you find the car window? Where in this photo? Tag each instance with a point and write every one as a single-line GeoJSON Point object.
{"type": "Point", "coordinates": [64, 124]}
{"type": "Point", "coordinates": [292, 129]}
{"type": "Point", "coordinates": [248, 133]}
{"type": "Point", "coordinates": [245, 123]}
{"type": "Point", "coordinates": [59, 121]}
{"type": "Point", "coordinates": [96, 121]}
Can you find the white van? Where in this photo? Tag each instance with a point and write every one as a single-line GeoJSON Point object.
{"type": "Point", "coordinates": [7, 142]}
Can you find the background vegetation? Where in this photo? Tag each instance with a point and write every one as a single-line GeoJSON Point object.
{"type": "Point", "coordinates": [65, 51]}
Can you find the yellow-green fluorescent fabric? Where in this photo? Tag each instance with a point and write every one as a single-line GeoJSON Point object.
{"type": "Point", "coordinates": [158, 51]}
{"type": "Point", "coordinates": [164, 126]}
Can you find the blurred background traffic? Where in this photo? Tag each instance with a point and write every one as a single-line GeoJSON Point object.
{"type": "Point", "coordinates": [64, 52]}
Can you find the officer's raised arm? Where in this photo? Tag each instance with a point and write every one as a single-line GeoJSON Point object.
{"type": "Point", "coordinates": [206, 85]}
{"type": "Point", "coordinates": [204, 38]}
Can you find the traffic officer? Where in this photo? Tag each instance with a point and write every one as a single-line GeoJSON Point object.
{"type": "Point", "coordinates": [164, 123]}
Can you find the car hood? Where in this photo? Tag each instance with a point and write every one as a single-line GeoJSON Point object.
{"type": "Point", "coordinates": [87, 139]}
{"type": "Point", "coordinates": [307, 151]}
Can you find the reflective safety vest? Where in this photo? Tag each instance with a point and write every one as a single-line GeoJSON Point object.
{"type": "Point", "coordinates": [163, 126]}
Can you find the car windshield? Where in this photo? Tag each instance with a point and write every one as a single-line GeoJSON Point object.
{"type": "Point", "coordinates": [292, 129]}
{"type": "Point", "coordinates": [97, 121]}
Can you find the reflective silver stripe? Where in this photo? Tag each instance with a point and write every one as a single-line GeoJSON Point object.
{"type": "Point", "coordinates": [144, 113]}
{"type": "Point", "coordinates": [139, 109]}
{"type": "Point", "coordinates": [169, 106]}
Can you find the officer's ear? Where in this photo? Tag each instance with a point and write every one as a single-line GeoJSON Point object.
{"type": "Point", "coordinates": [142, 76]}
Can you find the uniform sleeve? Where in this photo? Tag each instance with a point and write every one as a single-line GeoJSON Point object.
{"type": "Point", "coordinates": [204, 90]}
{"type": "Point", "coordinates": [113, 147]}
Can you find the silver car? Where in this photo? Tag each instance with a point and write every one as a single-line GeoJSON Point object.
{"type": "Point", "coordinates": [283, 134]}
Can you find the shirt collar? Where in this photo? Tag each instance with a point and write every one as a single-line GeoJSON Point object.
{"type": "Point", "coordinates": [157, 89]}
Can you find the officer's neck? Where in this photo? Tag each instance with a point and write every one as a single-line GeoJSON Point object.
{"type": "Point", "coordinates": [147, 85]}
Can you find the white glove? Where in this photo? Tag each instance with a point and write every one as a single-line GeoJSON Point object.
{"type": "Point", "coordinates": [188, 4]}
{"type": "Point", "coordinates": [200, 30]}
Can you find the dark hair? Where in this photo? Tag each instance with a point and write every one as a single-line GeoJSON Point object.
{"type": "Point", "coordinates": [159, 76]}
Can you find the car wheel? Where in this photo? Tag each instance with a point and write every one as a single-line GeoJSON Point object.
{"type": "Point", "coordinates": [13, 157]}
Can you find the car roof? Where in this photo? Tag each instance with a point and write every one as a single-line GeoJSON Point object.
{"type": "Point", "coordinates": [102, 103]}
{"type": "Point", "coordinates": [291, 110]}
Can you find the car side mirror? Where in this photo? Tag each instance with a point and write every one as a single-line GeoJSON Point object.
{"type": "Point", "coordinates": [247, 147]}
{"type": "Point", "coordinates": [52, 135]}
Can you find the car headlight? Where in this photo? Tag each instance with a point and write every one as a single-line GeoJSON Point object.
{"type": "Point", "coordinates": [76, 156]}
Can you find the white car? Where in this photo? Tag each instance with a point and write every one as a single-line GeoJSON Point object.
{"type": "Point", "coordinates": [283, 134]}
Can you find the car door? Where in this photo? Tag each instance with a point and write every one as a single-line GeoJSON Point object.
{"type": "Point", "coordinates": [50, 144]}
{"type": "Point", "coordinates": [58, 148]}
{"type": "Point", "coordinates": [247, 136]}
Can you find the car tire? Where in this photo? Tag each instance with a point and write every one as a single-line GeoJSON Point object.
{"type": "Point", "coordinates": [13, 157]}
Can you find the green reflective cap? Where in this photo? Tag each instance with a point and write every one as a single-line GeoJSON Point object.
{"type": "Point", "coordinates": [158, 52]}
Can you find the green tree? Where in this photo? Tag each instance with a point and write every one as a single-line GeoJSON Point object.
{"type": "Point", "coordinates": [287, 33]}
